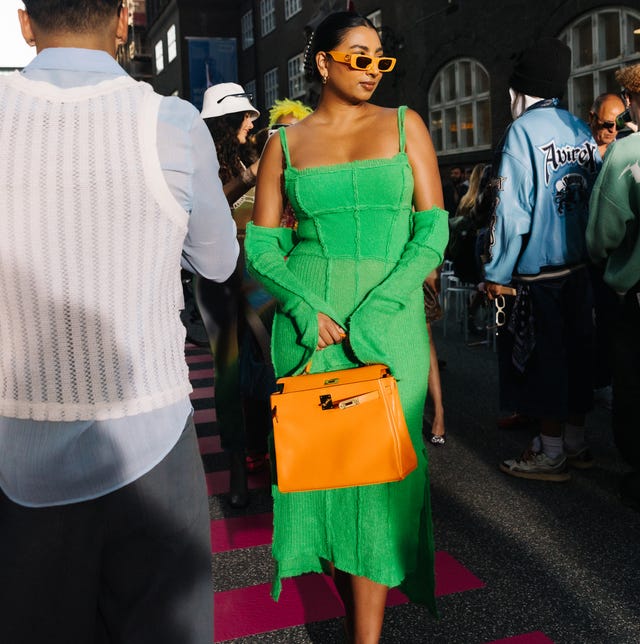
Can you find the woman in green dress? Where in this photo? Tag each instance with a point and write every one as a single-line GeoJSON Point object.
{"type": "Point", "coordinates": [364, 184]}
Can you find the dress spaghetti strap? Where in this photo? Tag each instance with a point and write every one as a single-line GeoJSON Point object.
{"type": "Point", "coordinates": [285, 146]}
{"type": "Point", "coordinates": [402, 110]}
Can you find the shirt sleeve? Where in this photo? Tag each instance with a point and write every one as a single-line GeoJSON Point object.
{"type": "Point", "coordinates": [190, 167]}
{"type": "Point", "coordinates": [512, 217]}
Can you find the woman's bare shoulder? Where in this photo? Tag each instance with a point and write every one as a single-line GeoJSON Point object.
{"type": "Point", "coordinates": [273, 147]}
{"type": "Point", "coordinates": [272, 157]}
{"type": "Point", "coordinates": [384, 115]}
{"type": "Point", "coordinates": [299, 131]}
{"type": "Point", "coordinates": [386, 118]}
{"type": "Point", "coordinates": [414, 122]}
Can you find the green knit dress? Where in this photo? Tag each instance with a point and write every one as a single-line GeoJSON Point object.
{"type": "Point", "coordinates": [360, 255]}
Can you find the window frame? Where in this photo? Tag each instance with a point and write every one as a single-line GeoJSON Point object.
{"type": "Point", "coordinates": [158, 56]}
{"type": "Point", "coordinates": [271, 86]}
{"type": "Point", "coordinates": [296, 82]}
{"type": "Point", "coordinates": [246, 30]}
{"type": "Point", "coordinates": [172, 44]}
{"type": "Point", "coordinates": [291, 8]}
{"type": "Point", "coordinates": [376, 18]}
{"type": "Point", "coordinates": [250, 88]}
{"type": "Point", "coordinates": [599, 68]}
{"type": "Point", "coordinates": [267, 17]}
{"type": "Point", "coordinates": [444, 102]}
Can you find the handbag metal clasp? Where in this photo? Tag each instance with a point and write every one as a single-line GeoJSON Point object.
{"type": "Point", "coordinates": [326, 402]}
{"type": "Point", "coordinates": [352, 402]}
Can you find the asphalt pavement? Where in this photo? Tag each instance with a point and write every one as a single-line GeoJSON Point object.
{"type": "Point", "coordinates": [557, 562]}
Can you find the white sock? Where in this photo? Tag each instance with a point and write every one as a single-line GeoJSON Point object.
{"type": "Point", "coordinates": [552, 446]}
{"type": "Point", "coordinates": [574, 437]}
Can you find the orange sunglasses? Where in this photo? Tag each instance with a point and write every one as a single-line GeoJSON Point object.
{"type": "Point", "coordinates": [364, 63]}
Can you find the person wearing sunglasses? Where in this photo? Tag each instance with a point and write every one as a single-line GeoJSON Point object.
{"type": "Point", "coordinates": [613, 240]}
{"type": "Point", "coordinates": [546, 168]}
{"type": "Point", "coordinates": [364, 183]}
{"type": "Point", "coordinates": [602, 120]}
{"type": "Point", "coordinates": [229, 114]}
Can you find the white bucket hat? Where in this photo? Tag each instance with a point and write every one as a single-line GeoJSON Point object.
{"type": "Point", "coordinates": [227, 98]}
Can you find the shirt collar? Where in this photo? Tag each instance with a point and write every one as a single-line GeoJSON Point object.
{"type": "Point", "coordinates": [75, 59]}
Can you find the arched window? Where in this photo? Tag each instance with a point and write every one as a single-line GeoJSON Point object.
{"type": "Point", "coordinates": [460, 108]}
{"type": "Point", "coordinates": [601, 42]}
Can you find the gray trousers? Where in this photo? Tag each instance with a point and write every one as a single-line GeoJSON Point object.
{"type": "Point", "coordinates": [133, 566]}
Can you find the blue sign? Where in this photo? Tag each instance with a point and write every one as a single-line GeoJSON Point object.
{"type": "Point", "coordinates": [211, 61]}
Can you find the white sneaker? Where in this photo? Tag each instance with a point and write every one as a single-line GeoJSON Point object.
{"type": "Point", "coordinates": [538, 466]}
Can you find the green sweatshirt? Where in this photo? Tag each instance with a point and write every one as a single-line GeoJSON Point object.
{"type": "Point", "coordinates": [613, 232]}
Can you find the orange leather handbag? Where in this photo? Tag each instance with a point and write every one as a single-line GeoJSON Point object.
{"type": "Point", "coordinates": [340, 429]}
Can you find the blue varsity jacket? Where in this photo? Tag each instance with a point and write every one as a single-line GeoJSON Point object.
{"type": "Point", "coordinates": [546, 170]}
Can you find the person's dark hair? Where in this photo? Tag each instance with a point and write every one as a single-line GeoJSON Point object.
{"type": "Point", "coordinates": [224, 131]}
{"type": "Point", "coordinates": [327, 36]}
{"type": "Point", "coordinates": [71, 15]}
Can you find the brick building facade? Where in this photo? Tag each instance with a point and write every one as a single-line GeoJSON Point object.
{"type": "Point", "coordinates": [454, 56]}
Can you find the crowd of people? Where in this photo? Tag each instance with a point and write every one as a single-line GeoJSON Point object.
{"type": "Point", "coordinates": [519, 235]}
{"type": "Point", "coordinates": [315, 246]}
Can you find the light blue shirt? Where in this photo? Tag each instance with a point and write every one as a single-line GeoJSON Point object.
{"type": "Point", "coordinates": [56, 463]}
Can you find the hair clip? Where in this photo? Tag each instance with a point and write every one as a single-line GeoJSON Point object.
{"type": "Point", "coordinates": [310, 40]}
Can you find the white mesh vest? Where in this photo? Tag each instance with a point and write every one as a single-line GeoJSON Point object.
{"type": "Point", "coordinates": [90, 244]}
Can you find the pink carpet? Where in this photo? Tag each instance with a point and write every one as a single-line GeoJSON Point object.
{"type": "Point", "coordinates": [204, 415]}
{"type": "Point", "coordinates": [312, 598]}
{"type": "Point", "coordinates": [209, 445]}
{"type": "Point", "coordinates": [218, 482]}
{"type": "Point", "coordinates": [241, 532]}
{"type": "Point", "coordinates": [202, 392]}
{"type": "Point", "coordinates": [202, 357]}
